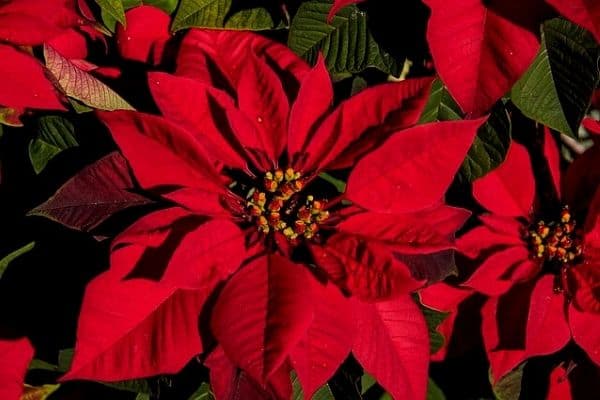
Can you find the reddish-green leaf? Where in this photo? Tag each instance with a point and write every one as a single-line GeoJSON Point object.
{"type": "Point", "coordinates": [94, 194]}
{"type": "Point", "coordinates": [82, 86]}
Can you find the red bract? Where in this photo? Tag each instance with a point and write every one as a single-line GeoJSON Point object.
{"type": "Point", "coordinates": [15, 356]}
{"type": "Point", "coordinates": [31, 23]}
{"type": "Point", "coordinates": [144, 37]}
{"type": "Point", "coordinates": [256, 242]}
{"type": "Point", "coordinates": [541, 272]}
{"type": "Point", "coordinates": [492, 44]}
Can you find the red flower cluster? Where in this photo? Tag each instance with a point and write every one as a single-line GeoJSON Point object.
{"type": "Point", "coordinates": [309, 274]}
{"type": "Point", "coordinates": [539, 265]}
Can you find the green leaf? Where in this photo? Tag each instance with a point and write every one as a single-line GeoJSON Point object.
{"type": "Point", "coordinates": [440, 105]}
{"type": "Point", "coordinates": [203, 393]}
{"type": "Point", "coordinates": [347, 44]}
{"type": "Point", "coordinates": [557, 88]}
{"type": "Point", "coordinates": [82, 86]}
{"type": "Point", "coordinates": [324, 393]}
{"type": "Point", "coordinates": [339, 184]}
{"type": "Point", "coordinates": [54, 135]}
{"type": "Point", "coordinates": [435, 393]}
{"type": "Point", "coordinates": [218, 14]}
{"type": "Point", "coordinates": [509, 387]}
{"type": "Point", "coordinates": [434, 319]}
{"type": "Point", "coordinates": [112, 11]}
{"type": "Point", "coordinates": [367, 381]}
{"type": "Point", "coordinates": [65, 357]}
{"type": "Point", "coordinates": [167, 6]}
{"type": "Point", "coordinates": [5, 262]}
{"type": "Point", "coordinates": [358, 85]}
{"type": "Point", "coordinates": [489, 147]}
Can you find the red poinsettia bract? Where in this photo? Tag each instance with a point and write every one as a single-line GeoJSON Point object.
{"type": "Point", "coordinates": [541, 267]}
{"type": "Point", "coordinates": [256, 254]}
{"type": "Point", "coordinates": [15, 356]}
{"type": "Point", "coordinates": [31, 23]}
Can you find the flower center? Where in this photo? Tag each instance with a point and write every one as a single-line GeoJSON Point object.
{"type": "Point", "coordinates": [556, 243]}
{"type": "Point", "coordinates": [279, 206]}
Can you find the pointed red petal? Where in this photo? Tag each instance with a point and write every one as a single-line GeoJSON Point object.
{"type": "Point", "coordinates": [547, 327]}
{"type": "Point", "coordinates": [392, 344]}
{"type": "Point", "coordinates": [152, 229]}
{"type": "Point", "coordinates": [135, 328]}
{"type": "Point", "coordinates": [444, 298]}
{"type": "Point", "coordinates": [401, 102]}
{"type": "Point", "coordinates": [397, 177]}
{"type": "Point", "coordinates": [160, 153]}
{"type": "Point", "coordinates": [327, 342]}
{"type": "Point", "coordinates": [584, 282]}
{"type": "Point", "coordinates": [202, 50]}
{"type": "Point", "coordinates": [313, 101]}
{"type": "Point", "coordinates": [206, 255]}
{"type": "Point", "coordinates": [508, 190]}
{"type": "Point", "coordinates": [262, 313]}
{"type": "Point", "coordinates": [525, 322]}
{"type": "Point", "coordinates": [560, 387]}
{"type": "Point", "coordinates": [422, 232]}
{"type": "Point", "coordinates": [500, 231]}
{"type": "Point", "coordinates": [145, 36]}
{"type": "Point", "coordinates": [585, 13]}
{"type": "Point", "coordinates": [584, 326]}
{"type": "Point", "coordinates": [490, 277]}
{"type": "Point", "coordinates": [28, 86]}
{"type": "Point", "coordinates": [262, 99]}
{"type": "Point", "coordinates": [365, 268]}
{"type": "Point", "coordinates": [15, 356]}
{"type": "Point", "coordinates": [205, 112]}
{"type": "Point", "coordinates": [229, 382]}
{"type": "Point", "coordinates": [488, 53]}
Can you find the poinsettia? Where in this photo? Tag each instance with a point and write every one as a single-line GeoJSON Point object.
{"type": "Point", "coordinates": [289, 272]}
{"type": "Point", "coordinates": [540, 263]}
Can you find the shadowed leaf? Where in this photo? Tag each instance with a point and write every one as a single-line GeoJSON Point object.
{"type": "Point", "coordinates": [557, 88]}
{"type": "Point", "coordinates": [347, 44]}
{"type": "Point", "coordinates": [55, 134]}
{"type": "Point", "coordinates": [94, 194]}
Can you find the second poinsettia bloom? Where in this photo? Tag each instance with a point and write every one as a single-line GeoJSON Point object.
{"type": "Point", "coordinates": [541, 266]}
{"type": "Point", "coordinates": [290, 272]}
